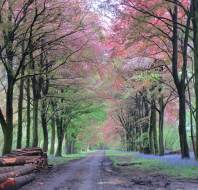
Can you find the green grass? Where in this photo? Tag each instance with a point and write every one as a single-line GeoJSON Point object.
{"type": "Point", "coordinates": [154, 165]}
{"type": "Point", "coordinates": [66, 158]}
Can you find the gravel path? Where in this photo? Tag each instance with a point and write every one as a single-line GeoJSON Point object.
{"type": "Point", "coordinates": [82, 174]}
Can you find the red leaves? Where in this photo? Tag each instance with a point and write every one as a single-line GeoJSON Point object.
{"type": "Point", "coordinates": [171, 112]}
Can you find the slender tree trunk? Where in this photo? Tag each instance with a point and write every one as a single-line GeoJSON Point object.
{"type": "Point", "coordinates": [182, 126]}
{"type": "Point", "coordinates": [192, 133]}
{"type": "Point", "coordinates": [20, 112]}
{"type": "Point", "coordinates": [60, 136]}
{"type": "Point", "coordinates": [161, 133]}
{"type": "Point", "coordinates": [191, 120]}
{"type": "Point", "coordinates": [53, 134]}
{"type": "Point", "coordinates": [28, 115]}
{"type": "Point", "coordinates": [44, 125]}
{"type": "Point", "coordinates": [66, 142]}
{"type": "Point", "coordinates": [36, 96]}
{"type": "Point", "coordinates": [151, 147]}
{"type": "Point", "coordinates": [155, 132]}
{"type": "Point", "coordinates": [161, 126]}
{"type": "Point", "coordinates": [35, 122]}
{"type": "Point", "coordinates": [72, 146]}
{"type": "Point", "coordinates": [128, 141]}
{"type": "Point", "coordinates": [153, 129]}
{"type": "Point", "coordinates": [146, 125]}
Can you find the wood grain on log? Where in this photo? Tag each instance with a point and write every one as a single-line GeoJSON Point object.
{"type": "Point", "coordinates": [12, 161]}
{"type": "Point", "coordinates": [17, 168]}
{"type": "Point", "coordinates": [20, 172]}
{"type": "Point", "coordinates": [23, 180]}
{"type": "Point", "coordinates": [7, 169]}
{"type": "Point", "coordinates": [17, 182]}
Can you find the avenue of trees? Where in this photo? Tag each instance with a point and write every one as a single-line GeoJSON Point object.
{"type": "Point", "coordinates": [155, 52]}
{"type": "Point", "coordinates": [61, 65]}
{"type": "Point", "coordinates": [46, 49]}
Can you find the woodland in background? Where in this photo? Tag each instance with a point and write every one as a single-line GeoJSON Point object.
{"type": "Point", "coordinates": [46, 50]}
{"type": "Point", "coordinates": [157, 41]}
{"type": "Point", "coordinates": [66, 72]}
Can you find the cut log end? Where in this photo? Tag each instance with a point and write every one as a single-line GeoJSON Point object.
{"type": "Point", "coordinates": [18, 167]}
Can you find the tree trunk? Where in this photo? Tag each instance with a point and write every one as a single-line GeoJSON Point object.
{"type": "Point", "coordinates": [68, 146]}
{"type": "Point", "coordinates": [155, 132]}
{"type": "Point", "coordinates": [153, 129]}
{"type": "Point", "coordinates": [180, 82]}
{"type": "Point", "coordinates": [20, 112]}
{"type": "Point", "coordinates": [36, 96]}
{"type": "Point", "coordinates": [151, 147]}
{"type": "Point", "coordinates": [60, 136]}
{"type": "Point", "coordinates": [53, 134]}
{"type": "Point", "coordinates": [35, 122]}
{"type": "Point", "coordinates": [44, 126]}
{"type": "Point", "coordinates": [8, 137]}
{"type": "Point", "coordinates": [195, 42]}
{"type": "Point", "coordinates": [8, 130]}
{"type": "Point", "coordinates": [128, 141]}
{"type": "Point", "coordinates": [72, 146]}
{"type": "Point", "coordinates": [28, 115]}
{"type": "Point", "coordinates": [161, 126]}
{"type": "Point", "coordinates": [182, 126]}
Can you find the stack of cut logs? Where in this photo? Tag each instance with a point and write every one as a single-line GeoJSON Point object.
{"type": "Point", "coordinates": [18, 168]}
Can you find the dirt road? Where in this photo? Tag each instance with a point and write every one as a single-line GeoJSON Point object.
{"type": "Point", "coordinates": [85, 174]}
{"type": "Point", "coordinates": [96, 173]}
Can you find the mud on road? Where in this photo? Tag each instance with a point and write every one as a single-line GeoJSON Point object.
{"type": "Point", "coordinates": [96, 172]}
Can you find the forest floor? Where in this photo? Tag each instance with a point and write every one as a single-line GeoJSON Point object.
{"type": "Point", "coordinates": [108, 171]}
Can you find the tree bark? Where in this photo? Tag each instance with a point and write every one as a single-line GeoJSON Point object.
{"type": "Point", "coordinates": [161, 126]}
{"type": "Point", "coordinates": [180, 83]}
{"type": "Point", "coordinates": [195, 42]}
{"type": "Point", "coordinates": [153, 129]}
{"type": "Point", "coordinates": [53, 134]}
{"type": "Point", "coordinates": [182, 126]}
{"type": "Point", "coordinates": [28, 115]}
{"type": "Point", "coordinates": [36, 96]}
{"type": "Point", "coordinates": [44, 125]}
{"type": "Point", "coordinates": [8, 130]}
{"type": "Point", "coordinates": [35, 122]}
{"type": "Point", "coordinates": [60, 136]}
{"type": "Point", "coordinates": [20, 112]}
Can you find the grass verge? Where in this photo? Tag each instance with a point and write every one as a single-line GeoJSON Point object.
{"type": "Point", "coordinates": [153, 165]}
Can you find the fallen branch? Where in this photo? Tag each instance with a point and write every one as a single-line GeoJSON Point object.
{"type": "Point", "coordinates": [129, 164]}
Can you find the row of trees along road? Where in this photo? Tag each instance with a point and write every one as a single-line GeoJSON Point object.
{"type": "Point", "coordinates": [44, 53]}
{"type": "Point", "coordinates": [158, 42]}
